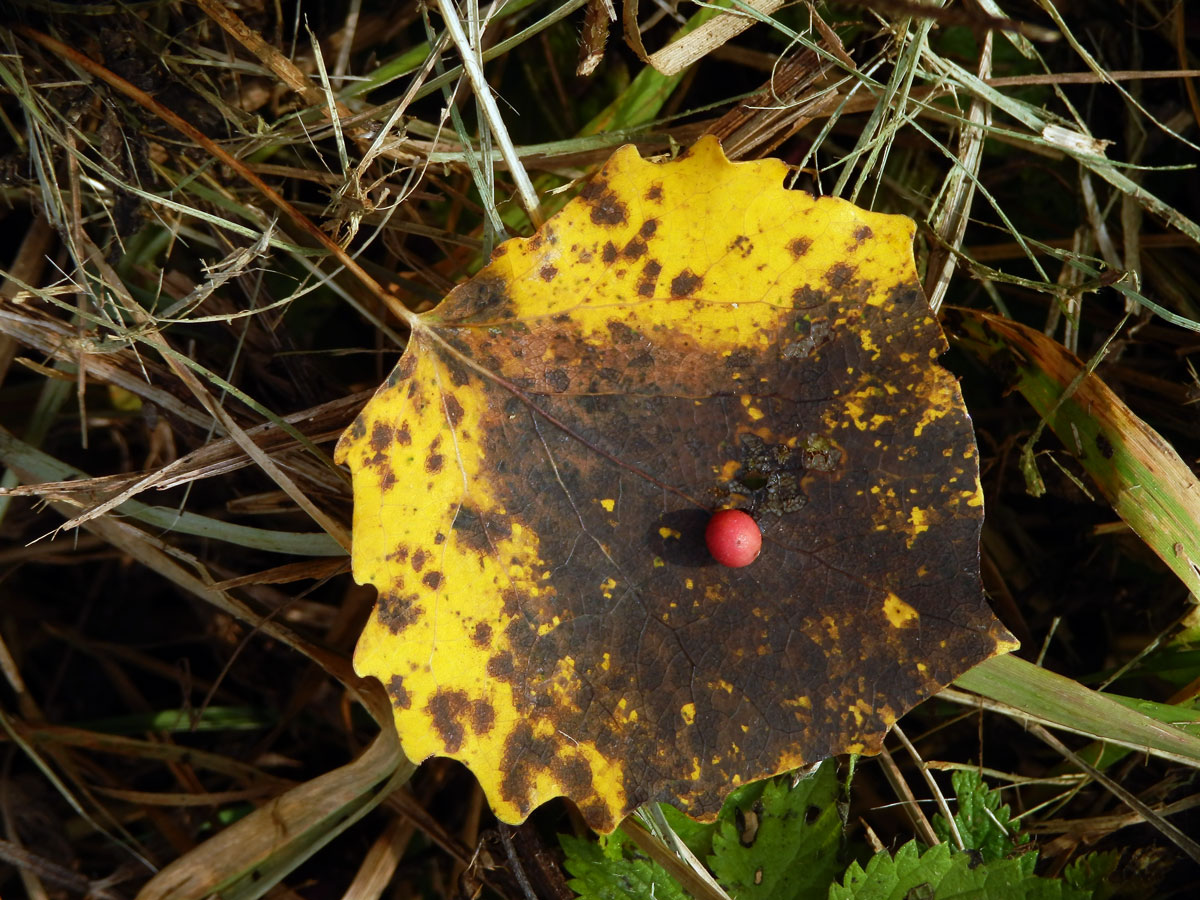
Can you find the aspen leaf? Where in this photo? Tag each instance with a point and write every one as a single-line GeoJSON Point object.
{"type": "Point", "coordinates": [533, 482]}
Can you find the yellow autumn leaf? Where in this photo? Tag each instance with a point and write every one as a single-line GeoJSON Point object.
{"type": "Point", "coordinates": [533, 481]}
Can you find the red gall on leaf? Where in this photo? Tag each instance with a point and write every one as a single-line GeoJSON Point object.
{"type": "Point", "coordinates": [733, 538]}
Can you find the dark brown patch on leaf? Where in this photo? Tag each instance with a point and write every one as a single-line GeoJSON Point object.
{"type": "Point", "coordinates": [406, 366]}
{"type": "Point", "coordinates": [547, 273]}
{"type": "Point", "coordinates": [742, 245]}
{"type": "Point", "coordinates": [482, 636]}
{"type": "Point", "coordinates": [741, 358]}
{"type": "Point", "coordinates": [432, 580]}
{"type": "Point", "coordinates": [607, 207]}
{"type": "Point", "coordinates": [447, 710]}
{"type": "Point", "coordinates": [418, 559]}
{"type": "Point", "coordinates": [649, 279]}
{"type": "Point", "coordinates": [654, 193]}
{"type": "Point", "coordinates": [454, 410]}
{"type": "Point", "coordinates": [622, 333]}
{"type": "Point", "coordinates": [381, 436]}
{"type": "Point", "coordinates": [433, 463]}
{"type": "Point", "coordinates": [399, 695]}
{"type": "Point", "coordinates": [473, 532]}
{"type": "Point", "coordinates": [577, 776]}
{"type": "Point", "coordinates": [403, 435]}
{"type": "Point", "coordinates": [839, 275]}
{"type": "Point", "coordinates": [459, 373]}
{"type": "Point", "coordinates": [501, 667]}
{"type": "Point", "coordinates": [487, 294]}
{"type": "Point", "coordinates": [558, 379]}
{"type": "Point", "coordinates": [685, 283]}
{"type": "Point", "coordinates": [397, 613]}
{"type": "Point", "coordinates": [648, 228]}
{"type": "Point", "coordinates": [635, 249]}
{"type": "Point", "coordinates": [862, 233]}
{"type": "Point", "coordinates": [483, 717]}
{"type": "Point", "coordinates": [800, 246]}
{"type": "Point", "coordinates": [609, 254]}
{"type": "Point", "coordinates": [1104, 445]}
{"type": "Point", "coordinates": [806, 298]}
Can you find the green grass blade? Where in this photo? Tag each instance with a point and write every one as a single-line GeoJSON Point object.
{"type": "Point", "coordinates": [1060, 701]}
{"type": "Point", "coordinates": [36, 466]}
{"type": "Point", "coordinates": [1149, 486]}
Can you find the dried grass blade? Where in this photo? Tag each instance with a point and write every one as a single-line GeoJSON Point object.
{"type": "Point", "coordinates": [1140, 474]}
{"type": "Point", "coordinates": [958, 192]}
{"type": "Point", "coordinates": [1017, 688]}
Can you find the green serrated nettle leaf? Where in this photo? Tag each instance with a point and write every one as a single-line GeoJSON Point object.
{"type": "Point", "coordinates": [986, 870]}
{"type": "Point", "coordinates": [893, 877]}
{"type": "Point", "coordinates": [945, 873]}
{"type": "Point", "coordinates": [782, 842]}
{"type": "Point", "coordinates": [614, 869]}
{"type": "Point", "coordinates": [1093, 873]}
{"type": "Point", "coordinates": [984, 823]}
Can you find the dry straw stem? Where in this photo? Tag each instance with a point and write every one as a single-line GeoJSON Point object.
{"type": "Point", "coordinates": [487, 103]}
{"type": "Point", "coordinates": [192, 133]}
{"type": "Point", "coordinates": [1164, 827]}
{"type": "Point", "coordinates": [693, 46]}
{"type": "Point", "coordinates": [45, 476]}
{"type": "Point", "coordinates": [249, 857]}
{"type": "Point", "coordinates": [958, 191]}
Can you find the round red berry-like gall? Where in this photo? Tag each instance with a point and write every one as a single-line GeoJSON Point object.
{"type": "Point", "coordinates": [733, 538]}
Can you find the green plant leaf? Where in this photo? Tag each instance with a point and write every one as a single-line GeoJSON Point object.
{"type": "Point", "coordinates": [785, 842]}
{"type": "Point", "coordinates": [943, 873]}
{"type": "Point", "coordinates": [984, 871]}
{"type": "Point", "coordinates": [983, 823]}
{"type": "Point", "coordinates": [614, 869]}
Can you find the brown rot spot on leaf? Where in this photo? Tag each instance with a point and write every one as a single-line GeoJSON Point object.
{"type": "Point", "coordinates": [558, 379]}
{"type": "Point", "coordinates": [395, 689]}
{"type": "Point", "coordinates": [685, 283]}
{"type": "Point", "coordinates": [482, 635]}
{"type": "Point", "coordinates": [839, 275]}
{"type": "Point", "coordinates": [607, 209]}
{"type": "Point", "coordinates": [549, 612]}
{"type": "Point", "coordinates": [396, 613]}
{"type": "Point", "coordinates": [635, 249]}
{"type": "Point", "coordinates": [447, 709]}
